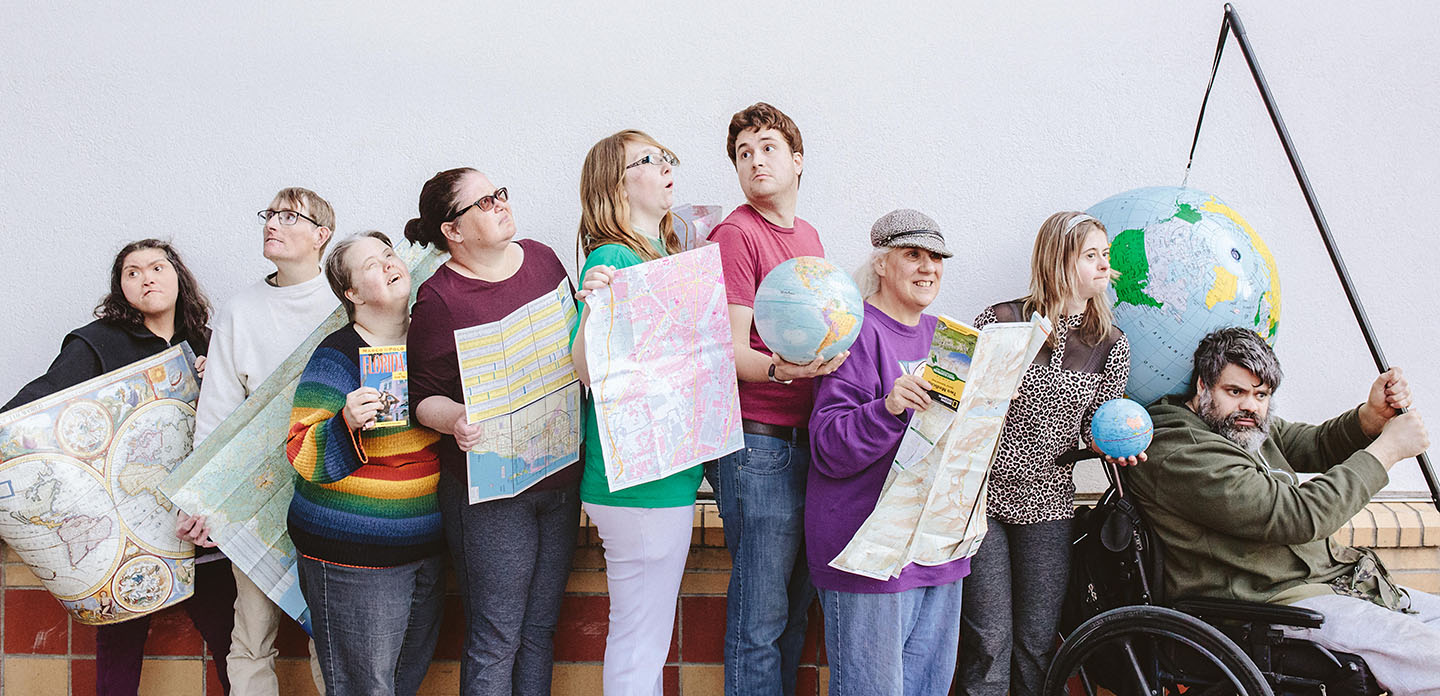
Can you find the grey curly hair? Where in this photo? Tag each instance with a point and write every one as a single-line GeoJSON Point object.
{"type": "Point", "coordinates": [1235, 346]}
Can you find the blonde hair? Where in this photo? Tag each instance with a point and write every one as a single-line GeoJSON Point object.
{"type": "Point", "coordinates": [1052, 276]}
{"type": "Point", "coordinates": [604, 208]}
{"type": "Point", "coordinates": [303, 200]}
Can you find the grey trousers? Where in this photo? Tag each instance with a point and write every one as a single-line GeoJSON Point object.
{"type": "Point", "coordinates": [1010, 613]}
{"type": "Point", "coordinates": [512, 559]}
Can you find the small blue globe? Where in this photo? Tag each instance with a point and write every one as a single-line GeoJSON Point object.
{"type": "Point", "coordinates": [807, 308]}
{"type": "Point", "coordinates": [1121, 428]}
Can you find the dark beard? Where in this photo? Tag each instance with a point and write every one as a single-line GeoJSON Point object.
{"type": "Point", "coordinates": [1251, 438]}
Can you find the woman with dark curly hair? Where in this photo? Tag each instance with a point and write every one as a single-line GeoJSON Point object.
{"type": "Point", "coordinates": [153, 303]}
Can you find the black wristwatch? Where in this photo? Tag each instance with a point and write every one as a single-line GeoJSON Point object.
{"type": "Point", "coordinates": [771, 373]}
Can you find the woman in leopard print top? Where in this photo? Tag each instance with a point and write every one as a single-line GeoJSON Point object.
{"type": "Point", "coordinates": [1011, 604]}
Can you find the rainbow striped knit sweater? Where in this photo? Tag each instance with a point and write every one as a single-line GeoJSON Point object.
{"type": "Point", "coordinates": [362, 498]}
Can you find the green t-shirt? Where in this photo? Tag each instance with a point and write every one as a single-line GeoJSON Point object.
{"type": "Point", "coordinates": [675, 490]}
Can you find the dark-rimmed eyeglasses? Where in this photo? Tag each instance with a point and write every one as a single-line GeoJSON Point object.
{"type": "Point", "coordinates": [484, 204]}
{"type": "Point", "coordinates": [285, 217]}
{"type": "Point", "coordinates": [655, 158]}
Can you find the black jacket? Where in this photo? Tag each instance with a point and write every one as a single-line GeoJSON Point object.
{"type": "Point", "coordinates": [93, 350]}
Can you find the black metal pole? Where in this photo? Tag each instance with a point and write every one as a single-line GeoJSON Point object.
{"type": "Point", "coordinates": [1232, 18]}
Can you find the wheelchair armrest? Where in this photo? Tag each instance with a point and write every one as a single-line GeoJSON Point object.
{"type": "Point", "coordinates": [1241, 610]}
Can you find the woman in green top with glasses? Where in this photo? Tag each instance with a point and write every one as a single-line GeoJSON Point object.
{"type": "Point", "coordinates": [626, 190]}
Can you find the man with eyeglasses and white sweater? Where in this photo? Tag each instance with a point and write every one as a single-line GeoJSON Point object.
{"type": "Point", "coordinates": [252, 335]}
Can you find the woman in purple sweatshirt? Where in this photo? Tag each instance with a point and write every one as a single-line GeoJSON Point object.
{"type": "Point", "coordinates": [896, 636]}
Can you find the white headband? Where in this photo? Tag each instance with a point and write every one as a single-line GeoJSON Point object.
{"type": "Point", "coordinates": [1082, 217]}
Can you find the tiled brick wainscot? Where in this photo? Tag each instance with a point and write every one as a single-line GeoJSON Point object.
{"type": "Point", "coordinates": [47, 654]}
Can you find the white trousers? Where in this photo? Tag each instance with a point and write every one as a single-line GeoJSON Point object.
{"type": "Point", "coordinates": [645, 552]}
{"type": "Point", "coordinates": [251, 661]}
{"type": "Point", "coordinates": [1402, 650]}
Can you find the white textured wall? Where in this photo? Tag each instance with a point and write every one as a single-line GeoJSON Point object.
{"type": "Point", "coordinates": [180, 120]}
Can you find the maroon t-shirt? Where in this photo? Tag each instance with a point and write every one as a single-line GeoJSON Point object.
{"type": "Point", "coordinates": [450, 301]}
{"type": "Point", "coordinates": [750, 246]}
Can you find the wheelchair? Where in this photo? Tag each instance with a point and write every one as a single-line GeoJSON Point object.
{"type": "Point", "coordinates": [1123, 636]}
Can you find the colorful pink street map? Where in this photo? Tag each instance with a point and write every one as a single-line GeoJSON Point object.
{"type": "Point", "coordinates": [662, 368]}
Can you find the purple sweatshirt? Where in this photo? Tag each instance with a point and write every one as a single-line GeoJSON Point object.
{"type": "Point", "coordinates": [853, 441]}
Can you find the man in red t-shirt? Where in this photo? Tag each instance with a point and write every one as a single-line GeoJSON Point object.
{"type": "Point", "coordinates": [761, 489]}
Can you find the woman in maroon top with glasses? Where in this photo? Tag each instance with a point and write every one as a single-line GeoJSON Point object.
{"type": "Point", "coordinates": [511, 555]}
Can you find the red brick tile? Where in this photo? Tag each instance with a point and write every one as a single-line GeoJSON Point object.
{"type": "Point", "coordinates": [82, 638]}
{"type": "Point", "coordinates": [813, 651]}
{"type": "Point", "coordinates": [291, 640]}
{"type": "Point", "coordinates": [212, 680]}
{"type": "Point", "coordinates": [580, 635]}
{"type": "Point", "coordinates": [807, 681]}
{"type": "Point", "coordinates": [674, 654]}
{"type": "Point", "coordinates": [670, 680]}
{"type": "Point", "coordinates": [82, 676]}
{"type": "Point", "coordinates": [451, 643]}
{"type": "Point", "coordinates": [702, 623]}
{"type": "Point", "coordinates": [588, 558]}
{"type": "Point", "coordinates": [171, 633]}
{"type": "Point", "coordinates": [35, 623]}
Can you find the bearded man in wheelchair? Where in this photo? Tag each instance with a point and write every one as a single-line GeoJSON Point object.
{"type": "Point", "coordinates": [1221, 491]}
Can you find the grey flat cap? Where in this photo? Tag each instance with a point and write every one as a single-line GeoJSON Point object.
{"type": "Point", "coordinates": [906, 228]}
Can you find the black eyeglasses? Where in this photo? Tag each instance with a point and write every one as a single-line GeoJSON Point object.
{"type": "Point", "coordinates": [484, 204]}
{"type": "Point", "coordinates": [286, 217]}
{"type": "Point", "coordinates": [655, 159]}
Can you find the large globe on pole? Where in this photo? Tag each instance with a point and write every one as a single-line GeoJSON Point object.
{"type": "Point", "coordinates": [807, 308]}
{"type": "Point", "coordinates": [1189, 264]}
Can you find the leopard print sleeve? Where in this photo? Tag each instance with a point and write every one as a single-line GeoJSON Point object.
{"type": "Point", "coordinates": [986, 317]}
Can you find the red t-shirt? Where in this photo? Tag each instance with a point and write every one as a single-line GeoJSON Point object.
{"type": "Point", "coordinates": [750, 246]}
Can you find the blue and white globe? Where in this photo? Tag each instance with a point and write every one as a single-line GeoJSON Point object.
{"type": "Point", "coordinates": [1121, 428]}
{"type": "Point", "coordinates": [1189, 264]}
{"type": "Point", "coordinates": [807, 308]}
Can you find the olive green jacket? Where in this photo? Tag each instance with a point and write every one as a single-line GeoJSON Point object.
{"type": "Point", "coordinates": [1240, 525]}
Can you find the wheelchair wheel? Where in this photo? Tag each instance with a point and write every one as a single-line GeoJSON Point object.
{"type": "Point", "coordinates": [1152, 651]}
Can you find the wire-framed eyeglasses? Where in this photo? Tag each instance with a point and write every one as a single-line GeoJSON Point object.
{"type": "Point", "coordinates": [655, 158]}
{"type": "Point", "coordinates": [485, 203]}
{"type": "Point", "coordinates": [284, 217]}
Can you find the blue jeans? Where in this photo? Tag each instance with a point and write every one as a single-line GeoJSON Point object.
{"type": "Point", "coordinates": [761, 494]}
{"type": "Point", "coordinates": [512, 559]}
{"type": "Point", "coordinates": [375, 628]}
{"type": "Point", "coordinates": [900, 644]}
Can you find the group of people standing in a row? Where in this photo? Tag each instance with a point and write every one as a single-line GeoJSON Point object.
{"type": "Point", "coordinates": [376, 510]}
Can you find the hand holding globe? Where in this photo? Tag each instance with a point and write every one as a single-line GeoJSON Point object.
{"type": "Point", "coordinates": [787, 372]}
{"type": "Point", "coordinates": [1121, 430]}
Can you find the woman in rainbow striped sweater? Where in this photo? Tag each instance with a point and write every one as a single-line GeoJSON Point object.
{"type": "Point", "coordinates": [364, 516]}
